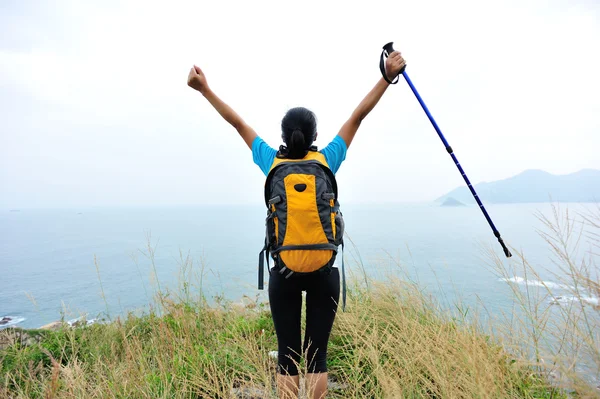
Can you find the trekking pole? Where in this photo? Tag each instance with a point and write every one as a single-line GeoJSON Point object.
{"type": "Point", "coordinates": [387, 50]}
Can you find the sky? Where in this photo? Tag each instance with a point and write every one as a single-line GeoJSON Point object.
{"type": "Point", "coordinates": [95, 109]}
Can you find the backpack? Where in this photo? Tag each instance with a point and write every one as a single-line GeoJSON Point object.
{"type": "Point", "coordinates": [304, 224]}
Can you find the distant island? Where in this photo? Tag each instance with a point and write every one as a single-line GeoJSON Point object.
{"type": "Point", "coordinates": [452, 202]}
{"type": "Point", "coordinates": [532, 186]}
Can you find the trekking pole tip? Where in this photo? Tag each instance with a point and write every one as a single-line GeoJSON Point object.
{"type": "Point", "coordinates": [506, 251]}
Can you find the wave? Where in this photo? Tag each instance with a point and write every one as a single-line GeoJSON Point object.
{"type": "Point", "coordinates": [78, 321]}
{"type": "Point", "coordinates": [537, 283]}
{"type": "Point", "coordinates": [11, 321]}
{"type": "Point", "coordinates": [590, 300]}
{"type": "Point", "coordinates": [555, 299]}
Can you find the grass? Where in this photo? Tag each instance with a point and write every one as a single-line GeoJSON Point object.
{"type": "Point", "coordinates": [559, 334]}
{"type": "Point", "coordinates": [390, 343]}
{"type": "Point", "coordinates": [393, 341]}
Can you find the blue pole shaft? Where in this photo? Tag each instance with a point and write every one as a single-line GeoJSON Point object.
{"type": "Point", "coordinates": [451, 152]}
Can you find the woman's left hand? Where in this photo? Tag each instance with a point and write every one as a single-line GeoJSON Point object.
{"type": "Point", "coordinates": [394, 64]}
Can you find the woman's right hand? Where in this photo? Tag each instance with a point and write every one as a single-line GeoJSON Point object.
{"type": "Point", "coordinates": [197, 80]}
{"type": "Point", "coordinates": [394, 64]}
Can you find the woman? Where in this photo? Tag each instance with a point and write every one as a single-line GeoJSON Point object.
{"type": "Point", "coordinates": [299, 130]}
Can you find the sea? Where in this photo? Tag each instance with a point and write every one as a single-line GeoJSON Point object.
{"type": "Point", "coordinates": [102, 263]}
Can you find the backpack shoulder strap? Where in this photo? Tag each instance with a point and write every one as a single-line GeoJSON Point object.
{"type": "Point", "coordinates": [311, 156]}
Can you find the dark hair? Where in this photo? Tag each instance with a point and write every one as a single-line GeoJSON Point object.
{"type": "Point", "coordinates": [298, 131]}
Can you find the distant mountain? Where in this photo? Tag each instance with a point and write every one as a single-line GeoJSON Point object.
{"type": "Point", "coordinates": [534, 186]}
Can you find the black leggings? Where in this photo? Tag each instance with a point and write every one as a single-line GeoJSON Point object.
{"type": "Point", "coordinates": [285, 298]}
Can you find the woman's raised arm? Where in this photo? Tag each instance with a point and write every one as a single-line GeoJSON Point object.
{"type": "Point", "coordinates": [393, 66]}
{"type": "Point", "coordinates": [197, 81]}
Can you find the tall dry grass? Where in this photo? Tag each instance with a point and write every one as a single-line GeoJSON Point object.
{"type": "Point", "coordinates": [556, 323]}
{"type": "Point", "coordinates": [391, 342]}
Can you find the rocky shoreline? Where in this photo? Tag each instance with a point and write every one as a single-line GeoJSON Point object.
{"type": "Point", "coordinates": [12, 336]}
{"type": "Point", "coordinates": [25, 337]}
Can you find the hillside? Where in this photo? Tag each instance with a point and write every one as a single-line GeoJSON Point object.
{"type": "Point", "coordinates": [391, 342]}
{"type": "Point", "coordinates": [534, 186]}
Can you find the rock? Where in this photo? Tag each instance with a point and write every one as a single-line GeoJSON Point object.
{"type": "Point", "coordinates": [11, 336]}
{"type": "Point", "coordinates": [55, 325]}
{"type": "Point", "coordinates": [249, 393]}
{"type": "Point", "coordinates": [5, 340]}
{"type": "Point", "coordinates": [76, 323]}
{"type": "Point", "coordinates": [5, 320]}
{"type": "Point", "coordinates": [8, 337]}
{"type": "Point", "coordinates": [336, 386]}
{"type": "Point", "coordinates": [556, 300]}
{"type": "Point", "coordinates": [254, 392]}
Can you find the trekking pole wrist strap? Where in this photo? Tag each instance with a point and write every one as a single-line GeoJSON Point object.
{"type": "Point", "coordinates": [387, 50]}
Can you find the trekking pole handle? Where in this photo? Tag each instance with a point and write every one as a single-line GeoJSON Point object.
{"type": "Point", "coordinates": [387, 50]}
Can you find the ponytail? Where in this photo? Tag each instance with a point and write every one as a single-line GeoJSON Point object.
{"type": "Point", "coordinates": [298, 131]}
{"type": "Point", "coordinates": [297, 147]}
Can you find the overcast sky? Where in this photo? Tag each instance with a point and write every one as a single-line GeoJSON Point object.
{"type": "Point", "coordinates": [95, 110]}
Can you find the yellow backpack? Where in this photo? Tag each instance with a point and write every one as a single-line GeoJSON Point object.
{"type": "Point", "coordinates": [304, 226]}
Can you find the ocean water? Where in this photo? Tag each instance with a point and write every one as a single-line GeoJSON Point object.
{"type": "Point", "coordinates": [57, 263]}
